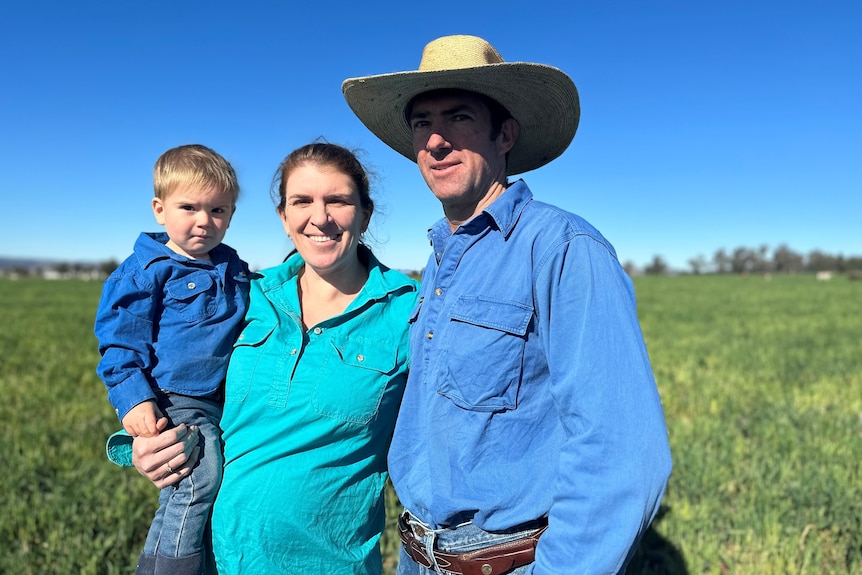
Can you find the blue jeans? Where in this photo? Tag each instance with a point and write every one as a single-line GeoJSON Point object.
{"type": "Point", "coordinates": [458, 539]}
{"type": "Point", "coordinates": [180, 526]}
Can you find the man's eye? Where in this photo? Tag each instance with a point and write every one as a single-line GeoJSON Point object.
{"type": "Point", "coordinates": [417, 124]}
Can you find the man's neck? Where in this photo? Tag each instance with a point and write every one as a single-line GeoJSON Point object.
{"type": "Point", "coordinates": [459, 215]}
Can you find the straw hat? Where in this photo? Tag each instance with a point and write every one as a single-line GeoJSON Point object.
{"type": "Point", "coordinates": [543, 99]}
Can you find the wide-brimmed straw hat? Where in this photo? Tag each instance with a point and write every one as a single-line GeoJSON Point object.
{"type": "Point", "coordinates": [543, 99]}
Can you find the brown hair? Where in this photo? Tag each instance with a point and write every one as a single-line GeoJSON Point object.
{"type": "Point", "coordinates": [322, 154]}
{"type": "Point", "coordinates": [193, 165]}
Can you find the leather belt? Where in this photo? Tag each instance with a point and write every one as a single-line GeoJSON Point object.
{"type": "Point", "coordinates": [491, 560]}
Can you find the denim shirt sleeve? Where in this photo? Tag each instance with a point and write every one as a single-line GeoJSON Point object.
{"type": "Point", "coordinates": [615, 459]}
{"type": "Point", "coordinates": [124, 328]}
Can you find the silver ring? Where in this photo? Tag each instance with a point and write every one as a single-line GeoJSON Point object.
{"type": "Point", "coordinates": [171, 469]}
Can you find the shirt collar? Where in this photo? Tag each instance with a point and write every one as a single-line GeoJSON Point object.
{"type": "Point", "coordinates": [506, 209]}
{"type": "Point", "coordinates": [504, 212]}
{"type": "Point", "coordinates": [151, 247]}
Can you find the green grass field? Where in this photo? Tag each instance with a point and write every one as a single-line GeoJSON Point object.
{"type": "Point", "coordinates": [761, 383]}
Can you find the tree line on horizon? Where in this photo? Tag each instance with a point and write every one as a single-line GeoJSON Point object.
{"type": "Point", "coordinates": [740, 261]}
{"type": "Point", "coordinates": [762, 260]}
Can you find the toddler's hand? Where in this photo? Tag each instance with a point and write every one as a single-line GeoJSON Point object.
{"type": "Point", "coordinates": [144, 420]}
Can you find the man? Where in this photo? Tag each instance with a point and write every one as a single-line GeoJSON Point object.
{"type": "Point", "coordinates": [531, 437]}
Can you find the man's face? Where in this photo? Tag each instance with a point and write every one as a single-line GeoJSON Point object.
{"type": "Point", "coordinates": [454, 150]}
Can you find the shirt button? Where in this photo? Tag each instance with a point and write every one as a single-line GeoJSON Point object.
{"type": "Point", "coordinates": [429, 335]}
{"type": "Point", "coordinates": [360, 358]}
{"type": "Point", "coordinates": [438, 292]}
{"type": "Point", "coordinates": [191, 285]}
{"type": "Point", "coordinates": [293, 351]}
{"type": "Point", "coordinates": [318, 331]}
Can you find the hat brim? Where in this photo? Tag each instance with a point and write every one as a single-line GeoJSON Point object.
{"type": "Point", "coordinates": [543, 100]}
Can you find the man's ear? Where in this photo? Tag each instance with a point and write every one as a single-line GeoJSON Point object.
{"type": "Point", "coordinates": [509, 131]}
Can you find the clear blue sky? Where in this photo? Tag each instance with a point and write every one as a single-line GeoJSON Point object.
{"type": "Point", "coordinates": [704, 125]}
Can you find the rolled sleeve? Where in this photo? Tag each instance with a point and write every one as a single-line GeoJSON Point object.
{"type": "Point", "coordinates": [119, 449]}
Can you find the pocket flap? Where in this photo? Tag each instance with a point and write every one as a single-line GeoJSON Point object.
{"type": "Point", "coordinates": [189, 285]}
{"type": "Point", "coordinates": [511, 317]}
{"type": "Point", "coordinates": [370, 353]}
{"type": "Point", "coordinates": [254, 334]}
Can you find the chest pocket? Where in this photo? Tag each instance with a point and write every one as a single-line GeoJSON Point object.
{"type": "Point", "coordinates": [193, 296]}
{"type": "Point", "coordinates": [353, 378]}
{"type": "Point", "coordinates": [485, 353]}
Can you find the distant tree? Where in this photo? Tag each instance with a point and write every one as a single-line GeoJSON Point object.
{"type": "Point", "coordinates": [721, 261]}
{"type": "Point", "coordinates": [785, 260]}
{"type": "Point", "coordinates": [761, 263]}
{"type": "Point", "coordinates": [853, 264]}
{"type": "Point", "coordinates": [658, 267]}
{"type": "Point", "coordinates": [742, 260]}
{"type": "Point", "coordinates": [840, 264]}
{"type": "Point", "coordinates": [106, 268]}
{"type": "Point", "coordinates": [630, 268]}
{"type": "Point", "coordinates": [821, 262]}
{"type": "Point", "coordinates": [698, 265]}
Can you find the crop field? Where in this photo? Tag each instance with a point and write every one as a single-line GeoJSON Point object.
{"type": "Point", "coordinates": [761, 380]}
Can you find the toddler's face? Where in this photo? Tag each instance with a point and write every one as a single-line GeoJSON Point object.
{"type": "Point", "coordinates": [195, 219]}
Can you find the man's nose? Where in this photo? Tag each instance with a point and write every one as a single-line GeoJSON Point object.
{"type": "Point", "coordinates": [436, 141]}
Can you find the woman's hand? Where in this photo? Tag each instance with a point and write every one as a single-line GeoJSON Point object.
{"type": "Point", "coordinates": [168, 457]}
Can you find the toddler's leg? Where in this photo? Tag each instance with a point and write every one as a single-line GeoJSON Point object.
{"type": "Point", "coordinates": [181, 547]}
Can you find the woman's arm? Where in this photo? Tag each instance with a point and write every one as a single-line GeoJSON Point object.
{"type": "Point", "coordinates": [168, 457]}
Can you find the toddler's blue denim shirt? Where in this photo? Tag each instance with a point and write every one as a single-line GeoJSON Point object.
{"type": "Point", "coordinates": [169, 322]}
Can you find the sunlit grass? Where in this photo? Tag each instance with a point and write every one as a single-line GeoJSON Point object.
{"type": "Point", "coordinates": [761, 383]}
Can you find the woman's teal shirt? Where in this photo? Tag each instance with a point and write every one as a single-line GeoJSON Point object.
{"type": "Point", "coordinates": [307, 422]}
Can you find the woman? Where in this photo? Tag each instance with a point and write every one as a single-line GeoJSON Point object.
{"type": "Point", "coordinates": [312, 390]}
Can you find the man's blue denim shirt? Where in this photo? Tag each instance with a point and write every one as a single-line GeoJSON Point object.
{"type": "Point", "coordinates": [169, 322]}
{"type": "Point", "coordinates": [530, 391]}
